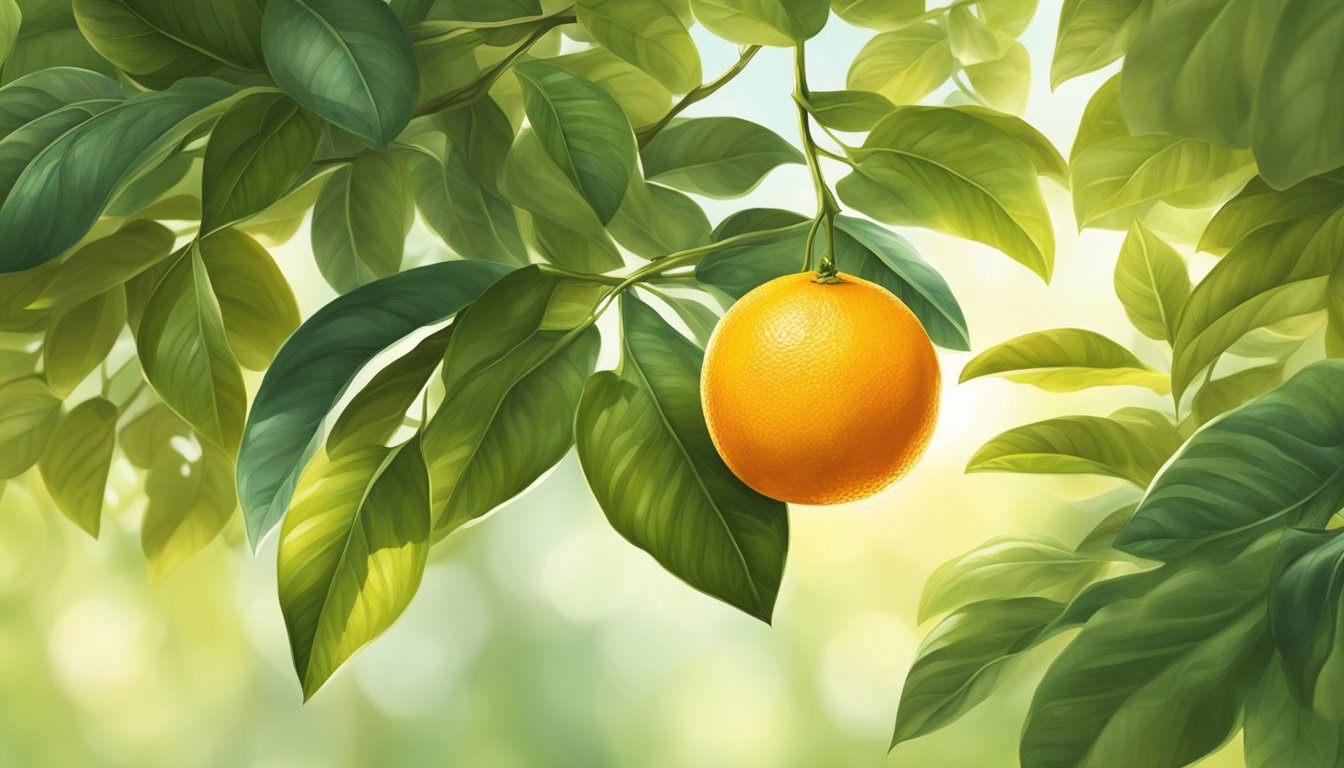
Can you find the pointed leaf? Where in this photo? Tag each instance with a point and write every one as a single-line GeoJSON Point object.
{"type": "Point", "coordinates": [762, 22]}
{"type": "Point", "coordinates": [28, 414]}
{"type": "Point", "coordinates": [106, 263]}
{"type": "Point", "coordinates": [160, 41]}
{"type": "Point", "coordinates": [374, 414]}
{"type": "Point", "coordinates": [848, 110]}
{"type": "Point", "coordinates": [646, 33]}
{"type": "Point", "coordinates": [1152, 283]}
{"type": "Point", "coordinates": [719, 157]}
{"type": "Point", "coordinates": [905, 65]}
{"type": "Point", "coordinates": [1065, 360]}
{"type": "Point", "coordinates": [1006, 568]}
{"type": "Point", "coordinates": [77, 459]}
{"type": "Point", "coordinates": [361, 219]}
{"type": "Point", "coordinates": [255, 301]}
{"type": "Point", "coordinates": [80, 338]}
{"type": "Point", "coordinates": [1094, 33]}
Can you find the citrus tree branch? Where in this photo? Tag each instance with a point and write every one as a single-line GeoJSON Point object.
{"type": "Point", "coordinates": [827, 207]}
{"type": "Point", "coordinates": [699, 93]}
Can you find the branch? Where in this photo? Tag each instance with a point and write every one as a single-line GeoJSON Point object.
{"type": "Point", "coordinates": [699, 93]}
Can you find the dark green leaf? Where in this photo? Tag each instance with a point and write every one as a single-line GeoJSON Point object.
{"type": "Point", "coordinates": [762, 22]}
{"type": "Point", "coordinates": [1152, 283]}
{"type": "Point", "coordinates": [1273, 463]}
{"type": "Point", "coordinates": [513, 372]}
{"type": "Point", "coordinates": [756, 220]}
{"type": "Point", "coordinates": [1306, 618]}
{"type": "Point", "coordinates": [28, 414]}
{"type": "Point", "coordinates": [720, 157]}
{"type": "Point", "coordinates": [48, 37]}
{"type": "Point", "coordinates": [583, 131]}
{"type": "Point", "coordinates": [11, 17]}
{"type": "Point", "coordinates": [1065, 360]}
{"type": "Point", "coordinates": [79, 338]}
{"type": "Point", "coordinates": [361, 219]}
{"type": "Point", "coordinates": [1130, 444]}
{"type": "Point", "coordinates": [647, 454]}
{"type": "Point", "coordinates": [352, 553]}
{"type": "Point", "coordinates": [655, 221]}
{"type": "Point", "coordinates": [160, 41]}
{"type": "Point", "coordinates": [258, 151]}
{"type": "Point", "coordinates": [319, 361]}
{"type": "Point", "coordinates": [350, 61]}
{"type": "Point", "coordinates": [255, 301]}
{"type": "Point", "coordinates": [1280, 732]}
{"type": "Point", "coordinates": [77, 459]}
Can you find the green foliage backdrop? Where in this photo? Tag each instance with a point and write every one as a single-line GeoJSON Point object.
{"type": "Point", "coordinates": [152, 152]}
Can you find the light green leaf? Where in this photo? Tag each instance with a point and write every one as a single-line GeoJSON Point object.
{"type": "Point", "coordinates": [1193, 69]}
{"type": "Point", "coordinates": [1010, 17]}
{"type": "Point", "coordinates": [905, 65]}
{"type": "Point", "coordinates": [1004, 82]}
{"type": "Point", "coordinates": [513, 372]}
{"type": "Point", "coordinates": [1305, 618]}
{"type": "Point", "coordinates": [67, 185]}
{"type": "Point", "coordinates": [762, 22]}
{"type": "Point", "coordinates": [719, 157]}
{"type": "Point", "coordinates": [1159, 679]}
{"type": "Point", "coordinates": [1281, 732]}
{"type": "Point", "coordinates": [79, 339]}
{"type": "Point", "coordinates": [1005, 568]}
{"type": "Point", "coordinates": [948, 169]}
{"type": "Point", "coordinates": [260, 148]}
{"type": "Point", "coordinates": [962, 659]}
{"type": "Point", "coordinates": [583, 131]}
{"type": "Point", "coordinates": [1047, 159]}
{"type": "Point", "coordinates": [105, 264]}
{"type": "Point", "coordinates": [1275, 273]}
{"type": "Point", "coordinates": [361, 219]}
{"type": "Point", "coordinates": [1112, 170]}
{"type": "Point", "coordinates": [645, 33]}
{"type": "Point", "coordinates": [77, 459]}
{"type": "Point", "coordinates": [255, 301]}
{"type": "Point", "coordinates": [1276, 462]}
{"type": "Point", "coordinates": [648, 457]}
{"type": "Point", "coordinates": [1065, 360]}
{"type": "Point", "coordinates": [699, 318]}
{"type": "Point", "coordinates": [847, 110]}
{"type": "Point", "coordinates": [279, 223]}
{"type": "Point", "coordinates": [1259, 205]}
{"type": "Point", "coordinates": [350, 61]}
{"type": "Point", "coordinates": [318, 362]}
{"type": "Point", "coordinates": [160, 41]}
{"type": "Point", "coordinates": [1100, 541]}
{"type": "Point", "coordinates": [352, 553]}
{"type": "Point", "coordinates": [11, 17]}
{"type": "Point", "coordinates": [643, 99]}
{"type": "Point", "coordinates": [1094, 33]}
{"type": "Point", "coordinates": [1221, 395]}
{"type": "Point", "coordinates": [1295, 105]}
{"type": "Point", "coordinates": [972, 40]}
{"type": "Point", "coordinates": [186, 356]}
{"type": "Point", "coordinates": [487, 11]}
{"type": "Point", "coordinates": [373, 416]}
{"type": "Point", "coordinates": [1130, 444]}
{"type": "Point", "coordinates": [655, 221]}
{"type": "Point", "coordinates": [1152, 283]}
{"type": "Point", "coordinates": [28, 414]}
{"type": "Point", "coordinates": [878, 14]}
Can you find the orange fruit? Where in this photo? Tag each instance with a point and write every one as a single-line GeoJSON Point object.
{"type": "Point", "coordinates": [820, 393]}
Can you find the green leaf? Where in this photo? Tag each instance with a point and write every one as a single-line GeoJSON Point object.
{"type": "Point", "coordinates": [655, 221]}
{"type": "Point", "coordinates": [643, 99]}
{"type": "Point", "coordinates": [972, 40]}
{"type": "Point", "coordinates": [1094, 33]}
{"type": "Point", "coordinates": [1005, 82]}
{"type": "Point", "coordinates": [699, 318]}
{"type": "Point", "coordinates": [1305, 618]}
{"type": "Point", "coordinates": [762, 22]}
{"type": "Point", "coordinates": [1065, 360]}
{"type": "Point", "coordinates": [260, 148]}
{"type": "Point", "coordinates": [964, 657]}
{"type": "Point", "coordinates": [1295, 107]}
{"type": "Point", "coordinates": [28, 414]}
{"type": "Point", "coordinates": [279, 223]}
{"type": "Point", "coordinates": [61, 193]}
{"type": "Point", "coordinates": [352, 553]}
{"type": "Point", "coordinates": [513, 372]}
{"type": "Point", "coordinates": [1275, 273]}
{"type": "Point", "coordinates": [80, 338]}
{"type": "Point", "coordinates": [1047, 159]}
{"type": "Point", "coordinates": [756, 220]}
{"type": "Point", "coordinates": [1158, 679]}
{"type": "Point", "coordinates": [160, 41]}
{"type": "Point", "coordinates": [1008, 16]}
{"type": "Point", "coordinates": [719, 157]}
{"type": "Point", "coordinates": [951, 170]}
{"type": "Point", "coordinates": [645, 33]}
{"type": "Point", "coordinates": [48, 37]}
{"type": "Point", "coordinates": [1100, 541]}
{"type": "Point", "coordinates": [318, 362]}
{"type": "Point", "coordinates": [1193, 70]}
{"type": "Point", "coordinates": [1276, 462]}
{"type": "Point", "coordinates": [1281, 732]}
{"type": "Point", "coordinates": [42, 94]}
{"type": "Point", "coordinates": [459, 195]}
{"type": "Point", "coordinates": [1259, 205]}
{"type": "Point", "coordinates": [1130, 444]}
{"type": "Point", "coordinates": [350, 61]}
{"type": "Point", "coordinates": [1152, 283]}
{"type": "Point", "coordinates": [905, 65]}
{"type": "Point", "coordinates": [186, 356]}
{"type": "Point", "coordinates": [373, 416]}
{"type": "Point", "coordinates": [11, 17]}
{"type": "Point", "coordinates": [1005, 568]}
{"type": "Point", "coordinates": [878, 14]}
{"type": "Point", "coordinates": [107, 263]}
{"type": "Point", "coordinates": [583, 131]}
{"type": "Point", "coordinates": [847, 110]}
{"type": "Point", "coordinates": [1219, 396]}
{"type": "Point", "coordinates": [488, 11]}
{"type": "Point", "coordinates": [255, 301]}
{"type": "Point", "coordinates": [77, 459]}
{"type": "Point", "coordinates": [1112, 170]}
{"type": "Point", "coordinates": [360, 221]}
{"type": "Point", "coordinates": [648, 457]}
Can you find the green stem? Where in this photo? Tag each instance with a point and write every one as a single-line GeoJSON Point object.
{"type": "Point", "coordinates": [478, 88]}
{"type": "Point", "coordinates": [827, 207]}
{"type": "Point", "coordinates": [699, 93]}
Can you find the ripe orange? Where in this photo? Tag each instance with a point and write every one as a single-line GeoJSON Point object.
{"type": "Point", "coordinates": [820, 393]}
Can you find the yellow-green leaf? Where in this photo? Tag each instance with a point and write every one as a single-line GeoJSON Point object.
{"type": "Point", "coordinates": [80, 338]}
{"type": "Point", "coordinates": [762, 22]}
{"type": "Point", "coordinates": [645, 33]}
{"type": "Point", "coordinates": [878, 14]}
{"type": "Point", "coordinates": [28, 414]}
{"type": "Point", "coordinates": [1003, 82]}
{"type": "Point", "coordinates": [255, 301]}
{"type": "Point", "coordinates": [904, 65]}
{"type": "Point", "coordinates": [106, 263]}
{"type": "Point", "coordinates": [1093, 33]}
{"type": "Point", "coordinates": [1007, 567]}
{"type": "Point", "coordinates": [1064, 360]}
{"type": "Point", "coordinates": [77, 459]}
{"type": "Point", "coordinates": [1152, 283]}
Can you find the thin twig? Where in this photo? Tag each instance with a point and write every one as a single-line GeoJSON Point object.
{"type": "Point", "coordinates": [699, 93]}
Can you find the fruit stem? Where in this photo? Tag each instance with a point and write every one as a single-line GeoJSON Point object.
{"type": "Point", "coordinates": [827, 207]}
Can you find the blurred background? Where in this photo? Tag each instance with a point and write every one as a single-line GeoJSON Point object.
{"type": "Point", "coordinates": [539, 636]}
